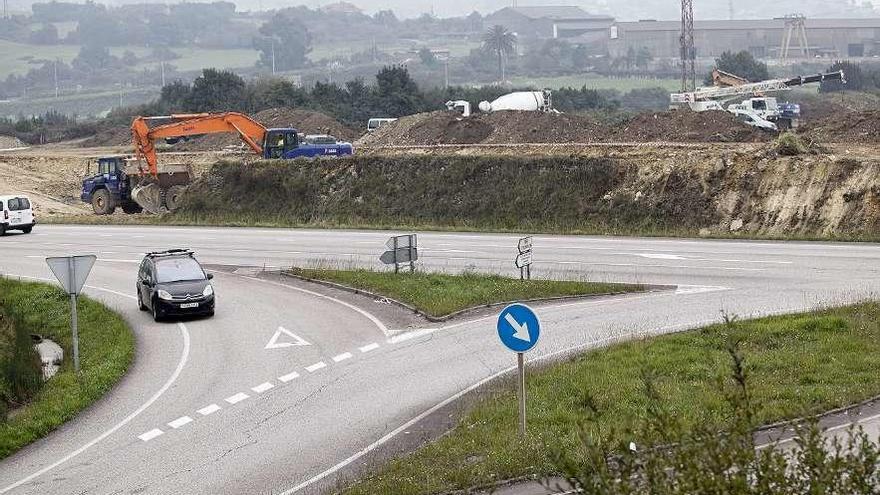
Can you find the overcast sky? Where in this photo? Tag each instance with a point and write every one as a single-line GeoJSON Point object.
{"type": "Point", "coordinates": [621, 9]}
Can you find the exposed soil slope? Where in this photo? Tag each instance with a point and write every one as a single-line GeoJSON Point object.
{"type": "Point", "coordinates": [661, 190]}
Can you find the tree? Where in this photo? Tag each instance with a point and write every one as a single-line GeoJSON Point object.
{"type": "Point", "coordinates": [855, 81]}
{"type": "Point", "coordinates": [427, 57]}
{"type": "Point", "coordinates": [742, 64]}
{"type": "Point", "coordinates": [217, 91]}
{"type": "Point", "coordinates": [284, 44]}
{"type": "Point", "coordinates": [643, 58]}
{"type": "Point", "coordinates": [501, 42]}
{"type": "Point", "coordinates": [175, 96]}
{"type": "Point", "coordinates": [94, 57]}
{"type": "Point", "coordinates": [397, 94]}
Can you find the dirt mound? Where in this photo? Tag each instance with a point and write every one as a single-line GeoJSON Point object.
{"type": "Point", "coordinates": [538, 127]}
{"type": "Point", "coordinates": [853, 127]}
{"type": "Point", "coordinates": [10, 142]}
{"type": "Point", "coordinates": [687, 126]}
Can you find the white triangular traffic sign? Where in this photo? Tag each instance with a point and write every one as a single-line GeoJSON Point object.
{"type": "Point", "coordinates": [72, 271]}
{"type": "Point", "coordinates": [297, 340]}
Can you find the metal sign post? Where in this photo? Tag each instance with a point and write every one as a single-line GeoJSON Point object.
{"type": "Point", "coordinates": [524, 258]}
{"type": "Point", "coordinates": [519, 329]}
{"type": "Point", "coordinates": [402, 249]}
{"type": "Point", "coordinates": [72, 272]}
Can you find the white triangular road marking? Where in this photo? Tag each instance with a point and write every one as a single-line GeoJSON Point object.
{"type": "Point", "coordinates": [297, 340]}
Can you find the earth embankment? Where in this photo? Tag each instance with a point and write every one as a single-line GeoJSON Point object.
{"type": "Point", "coordinates": [687, 190]}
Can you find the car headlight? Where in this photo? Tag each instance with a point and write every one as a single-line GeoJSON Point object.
{"type": "Point", "coordinates": [209, 290]}
{"type": "Point", "coordinates": [164, 295]}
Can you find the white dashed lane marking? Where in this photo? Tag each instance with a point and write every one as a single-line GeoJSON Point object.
{"type": "Point", "coordinates": [315, 367]}
{"type": "Point", "coordinates": [288, 377]}
{"type": "Point", "coordinates": [146, 437]}
{"type": "Point", "coordinates": [235, 399]}
{"type": "Point", "coordinates": [262, 387]}
{"type": "Point", "coordinates": [258, 389]}
{"type": "Point", "coordinates": [342, 357]}
{"type": "Point", "coordinates": [181, 421]}
{"type": "Point", "coordinates": [208, 409]}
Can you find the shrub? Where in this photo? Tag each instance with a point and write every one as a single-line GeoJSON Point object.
{"type": "Point", "coordinates": [790, 144]}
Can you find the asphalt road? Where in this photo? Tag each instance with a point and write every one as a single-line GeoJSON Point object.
{"type": "Point", "coordinates": [208, 408]}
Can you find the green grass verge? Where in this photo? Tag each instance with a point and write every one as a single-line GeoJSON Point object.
{"type": "Point", "coordinates": [796, 365]}
{"type": "Point", "coordinates": [439, 294]}
{"type": "Point", "coordinates": [106, 351]}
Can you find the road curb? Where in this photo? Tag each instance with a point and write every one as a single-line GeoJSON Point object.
{"type": "Point", "coordinates": [462, 312]}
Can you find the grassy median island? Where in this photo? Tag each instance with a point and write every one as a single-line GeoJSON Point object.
{"type": "Point", "coordinates": [795, 365]}
{"type": "Point", "coordinates": [439, 294]}
{"type": "Point", "coordinates": [29, 408]}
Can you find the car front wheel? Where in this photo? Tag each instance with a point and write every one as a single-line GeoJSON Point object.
{"type": "Point", "coordinates": [157, 313]}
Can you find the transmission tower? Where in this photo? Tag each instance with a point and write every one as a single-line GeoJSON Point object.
{"type": "Point", "coordinates": [795, 27]}
{"type": "Point", "coordinates": [688, 50]}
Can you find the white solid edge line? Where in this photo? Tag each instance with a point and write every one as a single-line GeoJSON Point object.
{"type": "Point", "coordinates": [262, 387]}
{"type": "Point", "coordinates": [368, 348]}
{"type": "Point", "coordinates": [183, 358]}
{"type": "Point", "coordinates": [288, 377]}
{"type": "Point", "coordinates": [235, 399]}
{"type": "Point", "coordinates": [181, 421]}
{"type": "Point", "coordinates": [208, 409]}
{"type": "Point", "coordinates": [364, 313]}
{"type": "Point", "coordinates": [342, 357]}
{"type": "Point", "coordinates": [315, 367]}
{"type": "Point", "coordinates": [155, 432]}
{"type": "Point", "coordinates": [366, 450]}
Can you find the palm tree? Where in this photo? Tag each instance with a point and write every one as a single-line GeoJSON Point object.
{"type": "Point", "coordinates": [500, 41]}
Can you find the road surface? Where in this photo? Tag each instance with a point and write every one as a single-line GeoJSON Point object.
{"type": "Point", "coordinates": [287, 388]}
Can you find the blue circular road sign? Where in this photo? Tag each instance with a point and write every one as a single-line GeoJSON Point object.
{"type": "Point", "coordinates": [518, 327]}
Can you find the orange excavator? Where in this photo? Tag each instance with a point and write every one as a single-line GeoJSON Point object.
{"type": "Point", "coordinates": [144, 185]}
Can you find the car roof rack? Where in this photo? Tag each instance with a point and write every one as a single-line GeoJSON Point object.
{"type": "Point", "coordinates": [171, 252]}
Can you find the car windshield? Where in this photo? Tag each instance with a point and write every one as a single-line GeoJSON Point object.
{"type": "Point", "coordinates": [178, 270]}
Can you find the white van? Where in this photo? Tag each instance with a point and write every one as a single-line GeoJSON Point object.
{"type": "Point", "coordinates": [374, 124]}
{"type": "Point", "coordinates": [16, 214]}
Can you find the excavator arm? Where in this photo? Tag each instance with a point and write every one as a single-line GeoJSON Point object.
{"type": "Point", "coordinates": [144, 137]}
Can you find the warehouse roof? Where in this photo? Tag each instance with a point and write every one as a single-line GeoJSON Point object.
{"type": "Point", "coordinates": [559, 12]}
{"type": "Point", "coordinates": [748, 24]}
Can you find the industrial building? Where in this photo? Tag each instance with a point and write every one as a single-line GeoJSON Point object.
{"type": "Point", "coordinates": [545, 22]}
{"type": "Point", "coordinates": [834, 38]}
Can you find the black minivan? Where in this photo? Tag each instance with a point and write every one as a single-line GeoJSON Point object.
{"type": "Point", "coordinates": [173, 283]}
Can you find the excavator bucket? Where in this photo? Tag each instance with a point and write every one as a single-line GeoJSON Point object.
{"type": "Point", "coordinates": [148, 196]}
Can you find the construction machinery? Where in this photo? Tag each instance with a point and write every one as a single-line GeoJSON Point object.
{"type": "Point", "coordinates": [759, 110]}
{"type": "Point", "coordinates": [535, 101]}
{"type": "Point", "coordinates": [140, 183]}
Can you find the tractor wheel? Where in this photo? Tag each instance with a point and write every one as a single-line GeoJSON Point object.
{"type": "Point", "coordinates": [173, 197]}
{"type": "Point", "coordinates": [131, 208]}
{"type": "Point", "coordinates": [103, 203]}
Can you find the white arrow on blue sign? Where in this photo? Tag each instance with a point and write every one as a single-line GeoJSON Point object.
{"type": "Point", "coordinates": [518, 327]}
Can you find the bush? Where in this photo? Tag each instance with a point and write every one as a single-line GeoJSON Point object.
{"type": "Point", "coordinates": [790, 144]}
{"type": "Point", "coordinates": [703, 460]}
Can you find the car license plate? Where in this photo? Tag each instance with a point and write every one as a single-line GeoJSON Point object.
{"type": "Point", "coordinates": [189, 305]}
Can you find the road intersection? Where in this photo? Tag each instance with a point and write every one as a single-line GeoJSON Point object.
{"type": "Point", "coordinates": [210, 407]}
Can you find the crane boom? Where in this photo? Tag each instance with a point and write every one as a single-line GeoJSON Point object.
{"type": "Point", "coordinates": [144, 137]}
{"type": "Point", "coordinates": [722, 93]}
